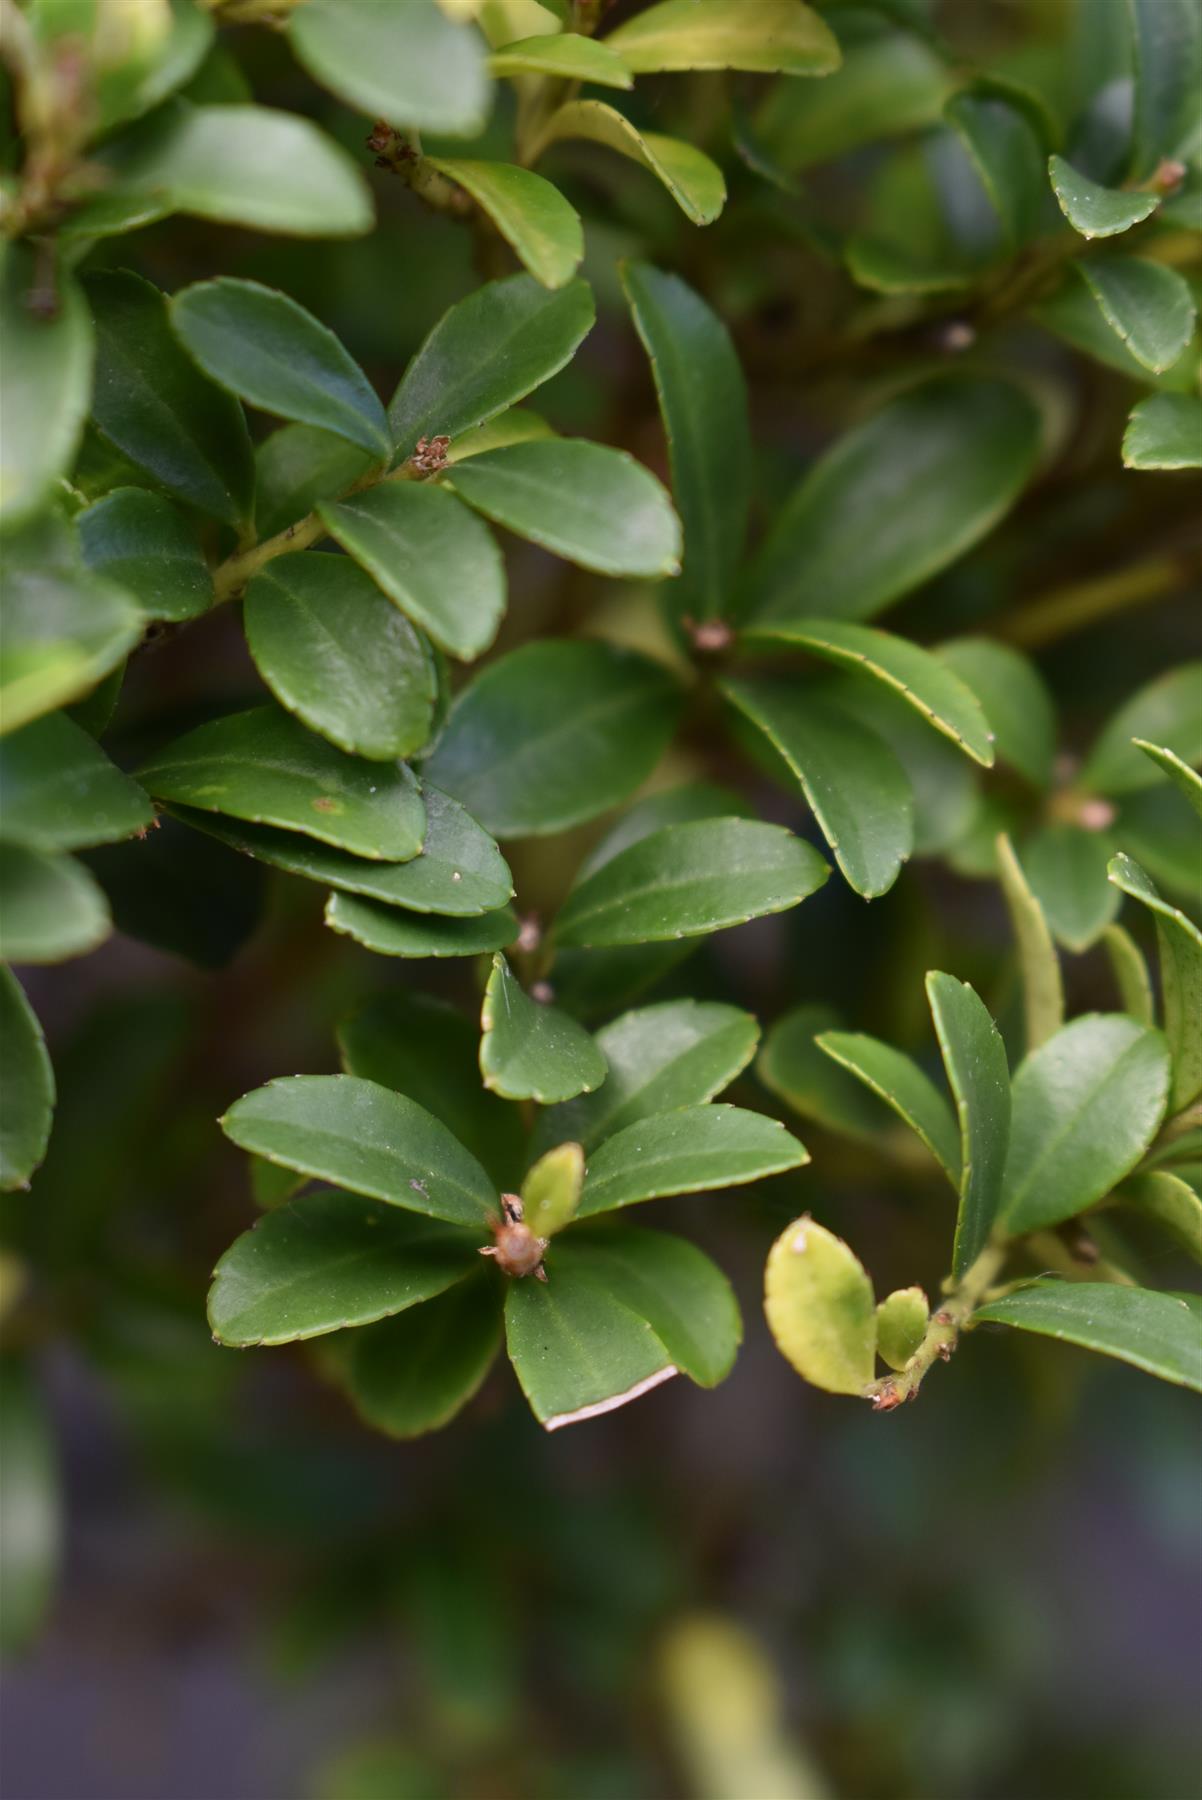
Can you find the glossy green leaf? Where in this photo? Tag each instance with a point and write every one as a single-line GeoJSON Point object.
{"type": "Point", "coordinates": [516, 425]}
{"type": "Point", "coordinates": [487, 353]}
{"type": "Point", "coordinates": [1014, 699]}
{"type": "Point", "coordinates": [695, 183]}
{"type": "Point", "coordinates": [1071, 313]}
{"type": "Point", "coordinates": [1148, 307]}
{"type": "Point", "coordinates": [576, 1350]}
{"type": "Point", "coordinates": [693, 1149]}
{"type": "Point", "coordinates": [263, 766]}
{"type": "Point", "coordinates": [683, 1296]}
{"type": "Point", "coordinates": [404, 61]}
{"type": "Point", "coordinates": [1167, 45]}
{"type": "Point", "coordinates": [59, 791]}
{"type": "Point", "coordinates": [430, 1051]}
{"type": "Point", "coordinates": [50, 907]}
{"type": "Point", "coordinates": [45, 381]}
{"type": "Point", "coordinates": [901, 1324]}
{"type": "Point", "coordinates": [1039, 965]}
{"type": "Point", "coordinates": [295, 468]}
{"type": "Point", "coordinates": [897, 498]}
{"type": "Point", "coordinates": [143, 543]}
{"type": "Point", "coordinates": [1159, 828]}
{"type": "Point", "coordinates": [198, 158]}
{"type": "Point", "coordinates": [775, 36]}
{"type": "Point", "coordinates": [1092, 209]}
{"type": "Point", "coordinates": [412, 1373]}
{"type": "Point", "coordinates": [530, 213]}
{"type": "Point", "coordinates": [1086, 1106]}
{"type": "Point", "coordinates": [430, 556]}
{"type": "Point", "coordinates": [1166, 712]}
{"type": "Point", "coordinates": [680, 1053]}
{"type": "Point", "coordinates": [153, 403]}
{"type": "Point", "coordinates": [393, 931]}
{"type": "Point", "coordinates": [366, 1138]}
{"type": "Point", "coordinates": [1170, 1204]}
{"type": "Point", "coordinates": [327, 1260]}
{"type": "Point", "coordinates": [889, 83]}
{"type": "Point", "coordinates": [1006, 151]}
{"type": "Point", "coordinates": [460, 871]}
{"type": "Point", "coordinates": [894, 1078]}
{"type": "Point", "coordinates": [340, 656]}
{"type": "Point", "coordinates": [262, 346]}
{"type": "Point", "coordinates": [820, 1308]}
{"type": "Point", "coordinates": [852, 782]}
{"type": "Point", "coordinates": [31, 1526]}
{"type": "Point", "coordinates": [27, 1080]}
{"type": "Point", "coordinates": [1164, 432]}
{"type": "Point", "coordinates": [564, 55]}
{"type": "Point", "coordinates": [1065, 866]}
{"type": "Point", "coordinates": [793, 1066]}
{"type": "Point", "coordinates": [670, 806]}
{"type": "Point", "coordinates": [703, 402]}
{"type": "Point", "coordinates": [533, 1052]}
{"type": "Point", "coordinates": [592, 505]}
{"type": "Point", "coordinates": [1130, 973]}
{"type": "Point", "coordinates": [686, 880]}
{"type": "Point", "coordinates": [551, 1190]}
{"type": "Point", "coordinates": [943, 782]}
{"type": "Point", "coordinates": [1159, 1333]}
{"type": "Point", "coordinates": [1187, 781]}
{"type": "Point", "coordinates": [979, 1077]}
{"type": "Point", "coordinates": [554, 733]}
{"type": "Point", "coordinates": [1180, 948]}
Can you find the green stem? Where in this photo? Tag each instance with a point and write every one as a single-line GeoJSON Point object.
{"type": "Point", "coordinates": [961, 1299]}
{"type": "Point", "coordinates": [1067, 609]}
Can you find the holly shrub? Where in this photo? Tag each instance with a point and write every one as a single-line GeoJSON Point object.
{"type": "Point", "coordinates": [523, 521]}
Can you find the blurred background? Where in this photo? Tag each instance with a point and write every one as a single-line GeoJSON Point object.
{"type": "Point", "coordinates": [756, 1594]}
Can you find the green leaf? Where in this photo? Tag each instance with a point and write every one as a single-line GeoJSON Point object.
{"type": "Point", "coordinates": [1086, 1106]}
{"type": "Point", "coordinates": [262, 346]}
{"type": "Point", "coordinates": [30, 1508]}
{"type": "Point", "coordinates": [263, 766]}
{"type": "Point", "coordinates": [551, 1190]}
{"type": "Point", "coordinates": [680, 1053]}
{"type": "Point", "coordinates": [1158, 1333]}
{"type": "Point", "coordinates": [1148, 307]}
{"type": "Point", "coordinates": [533, 1052]}
{"type": "Point", "coordinates": [429, 1051]}
{"type": "Point", "coordinates": [592, 505]}
{"type": "Point", "coordinates": [59, 791]}
{"type": "Point", "coordinates": [179, 891]}
{"type": "Point", "coordinates": [1180, 946]}
{"type": "Point", "coordinates": [898, 498]}
{"type": "Point", "coordinates": [430, 556]}
{"type": "Point", "coordinates": [144, 544]}
{"type": "Point", "coordinates": [327, 1260]}
{"type": "Point", "coordinates": [554, 733]}
{"type": "Point", "coordinates": [460, 871]}
{"type": "Point", "coordinates": [852, 782]}
{"type": "Point", "coordinates": [1186, 780]}
{"type": "Point", "coordinates": [28, 1083]}
{"type": "Point", "coordinates": [485, 354]}
{"type": "Point", "coordinates": [695, 183]}
{"type": "Point", "coordinates": [901, 1324]}
{"type": "Point", "coordinates": [201, 159]}
{"type": "Point", "coordinates": [1164, 432]}
{"type": "Point", "coordinates": [1014, 699]}
{"type": "Point", "coordinates": [777, 36]}
{"type": "Point", "coordinates": [894, 1078]}
{"type": "Point", "coordinates": [682, 1295]}
{"type": "Point", "coordinates": [820, 1309]}
{"type": "Point", "coordinates": [890, 83]}
{"type": "Point", "coordinates": [392, 931]}
{"type": "Point", "coordinates": [1165, 712]}
{"type": "Point", "coordinates": [50, 907]}
{"type": "Point", "coordinates": [1065, 866]}
{"type": "Point", "coordinates": [1130, 973]}
{"type": "Point", "coordinates": [576, 1350]}
{"type": "Point", "coordinates": [1159, 828]}
{"type": "Point", "coordinates": [792, 1066]}
{"type": "Point", "coordinates": [670, 806]}
{"type": "Point", "coordinates": [686, 880]}
{"type": "Point", "coordinates": [975, 1060]}
{"type": "Point", "coordinates": [413, 1373]}
{"type": "Point", "coordinates": [703, 402]}
{"type": "Point", "coordinates": [516, 425]}
{"type": "Point", "coordinates": [1039, 965]}
{"type": "Point", "coordinates": [1167, 45]}
{"type": "Point", "coordinates": [691, 1150]}
{"type": "Point", "coordinates": [403, 61]}
{"type": "Point", "coordinates": [295, 468]}
{"type": "Point", "coordinates": [1093, 210]}
{"type": "Point", "coordinates": [530, 213]}
{"type": "Point", "coordinates": [1072, 313]}
{"type": "Point", "coordinates": [347, 1130]}
{"type": "Point", "coordinates": [340, 656]}
{"type": "Point", "coordinates": [565, 55]}
{"type": "Point", "coordinates": [45, 383]}
{"type": "Point", "coordinates": [1006, 151]}
{"type": "Point", "coordinates": [1170, 1203]}
{"type": "Point", "coordinates": [152, 402]}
